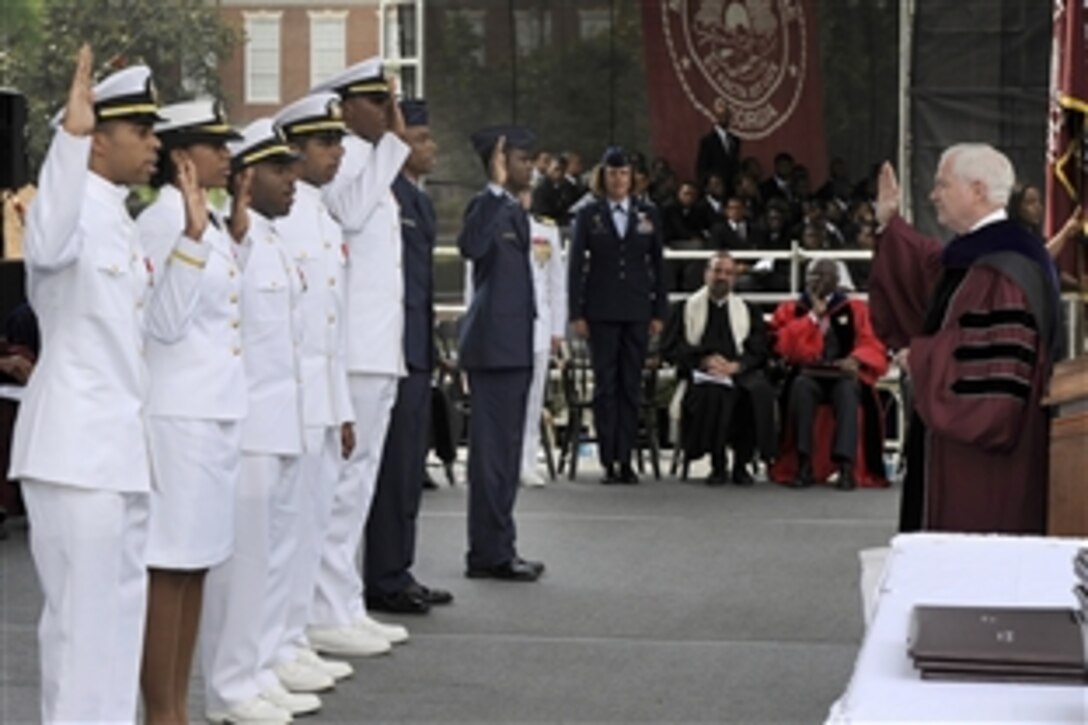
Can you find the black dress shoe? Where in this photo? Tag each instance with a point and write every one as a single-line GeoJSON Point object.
{"type": "Point", "coordinates": [716, 478]}
{"type": "Point", "coordinates": [431, 596]}
{"type": "Point", "coordinates": [741, 476]}
{"type": "Point", "coordinates": [628, 475]}
{"type": "Point", "coordinates": [429, 484]}
{"type": "Point", "coordinates": [847, 482]}
{"type": "Point", "coordinates": [403, 602]}
{"type": "Point", "coordinates": [610, 477]}
{"type": "Point", "coordinates": [515, 570]}
{"type": "Point", "coordinates": [804, 474]}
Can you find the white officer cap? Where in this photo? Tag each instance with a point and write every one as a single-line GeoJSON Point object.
{"type": "Point", "coordinates": [312, 114]}
{"type": "Point", "coordinates": [127, 95]}
{"type": "Point", "coordinates": [364, 78]}
{"type": "Point", "coordinates": [261, 141]}
{"type": "Point", "coordinates": [199, 121]}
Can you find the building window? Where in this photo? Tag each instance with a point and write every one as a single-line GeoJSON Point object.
{"type": "Point", "coordinates": [594, 22]}
{"type": "Point", "coordinates": [328, 44]}
{"type": "Point", "coordinates": [262, 57]}
{"type": "Point", "coordinates": [533, 29]}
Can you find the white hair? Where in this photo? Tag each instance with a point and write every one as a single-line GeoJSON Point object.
{"type": "Point", "coordinates": [982, 163]}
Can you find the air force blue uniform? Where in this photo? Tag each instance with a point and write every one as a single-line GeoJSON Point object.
{"type": "Point", "coordinates": [496, 349]}
{"type": "Point", "coordinates": [617, 286]}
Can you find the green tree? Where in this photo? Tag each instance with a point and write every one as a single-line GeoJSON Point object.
{"type": "Point", "coordinates": [183, 41]}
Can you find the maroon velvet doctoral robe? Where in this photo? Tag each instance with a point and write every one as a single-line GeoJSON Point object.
{"type": "Point", "coordinates": [979, 365]}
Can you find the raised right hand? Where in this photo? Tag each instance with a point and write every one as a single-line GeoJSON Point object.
{"type": "Point", "coordinates": [196, 203]}
{"type": "Point", "coordinates": [887, 195]}
{"type": "Point", "coordinates": [79, 112]}
{"type": "Point", "coordinates": [497, 166]}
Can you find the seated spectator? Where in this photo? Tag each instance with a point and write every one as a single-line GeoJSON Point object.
{"type": "Point", "coordinates": [541, 163]}
{"type": "Point", "coordinates": [750, 166]}
{"type": "Point", "coordinates": [834, 357]}
{"type": "Point", "coordinates": [713, 201]}
{"type": "Point", "coordinates": [719, 344]}
{"type": "Point", "coordinates": [733, 230]}
{"type": "Point", "coordinates": [640, 177]}
{"type": "Point", "coordinates": [780, 185]}
{"type": "Point", "coordinates": [684, 220]}
{"type": "Point", "coordinates": [747, 186]}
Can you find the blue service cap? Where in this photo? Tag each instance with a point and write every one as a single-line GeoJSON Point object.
{"type": "Point", "coordinates": [615, 157]}
{"type": "Point", "coordinates": [517, 137]}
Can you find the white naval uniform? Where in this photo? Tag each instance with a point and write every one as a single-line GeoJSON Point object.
{"type": "Point", "coordinates": [197, 388]}
{"type": "Point", "coordinates": [246, 597]}
{"type": "Point", "coordinates": [79, 442]}
{"type": "Point", "coordinates": [316, 243]}
{"type": "Point", "coordinates": [550, 290]}
{"type": "Point", "coordinates": [361, 200]}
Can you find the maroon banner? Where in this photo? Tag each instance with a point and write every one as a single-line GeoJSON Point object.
{"type": "Point", "coordinates": [1065, 187]}
{"type": "Point", "coordinates": [761, 56]}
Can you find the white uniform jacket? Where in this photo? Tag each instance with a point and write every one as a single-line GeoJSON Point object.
{"type": "Point", "coordinates": [193, 325]}
{"type": "Point", "coordinates": [314, 240]}
{"type": "Point", "coordinates": [549, 282]}
{"type": "Point", "coordinates": [271, 286]}
{"type": "Point", "coordinates": [81, 419]}
{"type": "Point", "coordinates": [360, 199]}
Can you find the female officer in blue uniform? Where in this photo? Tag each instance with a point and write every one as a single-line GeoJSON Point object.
{"type": "Point", "coordinates": [617, 301]}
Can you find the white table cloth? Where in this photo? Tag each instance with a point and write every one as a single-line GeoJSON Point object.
{"type": "Point", "coordinates": [964, 570]}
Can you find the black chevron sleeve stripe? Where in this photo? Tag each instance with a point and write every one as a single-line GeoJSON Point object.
{"type": "Point", "coordinates": [995, 351]}
{"type": "Point", "coordinates": [992, 386]}
{"type": "Point", "coordinates": [982, 320]}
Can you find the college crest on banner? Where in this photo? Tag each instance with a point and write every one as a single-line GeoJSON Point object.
{"type": "Point", "coordinates": [759, 55]}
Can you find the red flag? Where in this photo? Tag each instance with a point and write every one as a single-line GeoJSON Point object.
{"type": "Point", "coordinates": [1065, 187]}
{"type": "Point", "coordinates": [759, 55]}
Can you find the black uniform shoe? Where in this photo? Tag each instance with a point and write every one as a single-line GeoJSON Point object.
{"type": "Point", "coordinates": [716, 478]}
{"type": "Point", "coordinates": [610, 477]}
{"type": "Point", "coordinates": [403, 602]}
{"type": "Point", "coordinates": [804, 474]}
{"type": "Point", "coordinates": [628, 475]}
{"type": "Point", "coordinates": [431, 596]}
{"type": "Point", "coordinates": [847, 482]}
{"type": "Point", "coordinates": [515, 570]}
{"type": "Point", "coordinates": [741, 476]}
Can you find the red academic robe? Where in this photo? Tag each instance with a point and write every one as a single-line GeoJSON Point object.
{"type": "Point", "coordinates": [799, 342]}
{"type": "Point", "coordinates": [978, 379]}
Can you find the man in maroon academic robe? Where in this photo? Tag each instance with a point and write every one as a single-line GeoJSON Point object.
{"type": "Point", "coordinates": [976, 323]}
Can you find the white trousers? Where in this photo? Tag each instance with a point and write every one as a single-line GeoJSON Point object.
{"type": "Point", "coordinates": [534, 408]}
{"type": "Point", "coordinates": [246, 598]}
{"type": "Point", "coordinates": [319, 471]}
{"type": "Point", "coordinates": [338, 596]}
{"type": "Point", "coordinates": [88, 547]}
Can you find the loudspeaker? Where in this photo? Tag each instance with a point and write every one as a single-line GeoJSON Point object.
{"type": "Point", "coordinates": [13, 159]}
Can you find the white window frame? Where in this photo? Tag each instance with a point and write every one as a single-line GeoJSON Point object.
{"type": "Point", "coordinates": [252, 20]}
{"type": "Point", "coordinates": [396, 63]}
{"type": "Point", "coordinates": [317, 19]}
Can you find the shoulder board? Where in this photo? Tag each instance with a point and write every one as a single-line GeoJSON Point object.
{"type": "Point", "coordinates": [544, 220]}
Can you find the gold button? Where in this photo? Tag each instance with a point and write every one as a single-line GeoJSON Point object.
{"type": "Point", "coordinates": [234, 299]}
{"type": "Point", "coordinates": [332, 281]}
{"type": "Point", "coordinates": [234, 324]}
{"type": "Point", "coordinates": [237, 351]}
{"type": "Point", "coordinates": [328, 245]}
{"type": "Point", "coordinates": [332, 319]}
{"type": "Point", "coordinates": [233, 272]}
{"type": "Point", "coordinates": [115, 269]}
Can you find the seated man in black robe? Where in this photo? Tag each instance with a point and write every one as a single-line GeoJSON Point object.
{"type": "Point", "coordinates": [719, 344]}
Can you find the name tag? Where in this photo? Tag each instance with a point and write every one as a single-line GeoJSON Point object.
{"type": "Point", "coordinates": [509, 235]}
{"type": "Point", "coordinates": [408, 222]}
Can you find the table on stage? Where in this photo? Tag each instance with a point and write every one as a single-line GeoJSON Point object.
{"type": "Point", "coordinates": [954, 569]}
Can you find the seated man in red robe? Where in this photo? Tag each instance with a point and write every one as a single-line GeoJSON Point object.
{"type": "Point", "coordinates": [834, 357]}
{"type": "Point", "coordinates": [976, 322]}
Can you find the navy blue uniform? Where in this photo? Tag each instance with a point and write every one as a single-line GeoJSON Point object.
{"type": "Point", "coordinates": [496, 349]}
{"type": "Point", "coordinates": [617, 285]}
{"type": "Point", "coordinates": [391, 527]}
